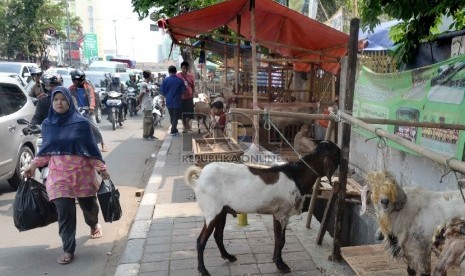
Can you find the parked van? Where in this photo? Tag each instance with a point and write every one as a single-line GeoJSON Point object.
{"type": "Point", "coordinates": [107, 66]}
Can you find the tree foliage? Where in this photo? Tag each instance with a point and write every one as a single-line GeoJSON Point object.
{"type": "Point", "coordinates": [421, 19]}
{"type": "Point", "coordinates": [25, 24]}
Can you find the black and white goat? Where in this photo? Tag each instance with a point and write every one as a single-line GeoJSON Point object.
{"type": "Point", "coordinates": [222, 188]}
{"type": "Point", "coordinates": [408, 218]}
{"type": "Point", "coordinates": [449, 246]}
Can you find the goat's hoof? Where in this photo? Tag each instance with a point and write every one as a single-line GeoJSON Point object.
{"type": "Point", "coordinates": [229, 257]}
{"type": "Point", "coordinates": [283, 268]}
{"type": "Point", "coordinates": [204, 271]}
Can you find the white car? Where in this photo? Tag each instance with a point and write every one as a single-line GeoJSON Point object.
{"type": "Point", "coordinates": [20, 68]}
{"type": "Point", "coordinates": [16, 149]}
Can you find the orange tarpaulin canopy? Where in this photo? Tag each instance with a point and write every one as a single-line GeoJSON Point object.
{"type": "Point", "coordinates": [283, 30]}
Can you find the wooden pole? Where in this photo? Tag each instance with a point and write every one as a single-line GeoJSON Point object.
{"type": "Point", "coordinates": [442, 159]}
{"type": "Point", "coordinates": [238, 60]}
{"type": "Point", "coordinates": [411, 123]}
{"type": "Point", "coordinates": [254, 71]}
{"type": "Point", "coordinates": [297, 115]}
{"type": "Point", "coordinates": [340, 187]}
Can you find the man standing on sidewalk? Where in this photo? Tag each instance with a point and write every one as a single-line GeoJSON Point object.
{"type": "Point", "coordinates": [187, 106]}
{"type": "Point", "coordinates": [145, 99]}
{"type": "Point", "coordinates": [173, 88]}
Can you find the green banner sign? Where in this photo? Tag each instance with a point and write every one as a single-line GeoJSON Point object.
{"type": "Point", "coordinates": [429, 94]}
{"type": "Point", "coordinates": [90, 47]}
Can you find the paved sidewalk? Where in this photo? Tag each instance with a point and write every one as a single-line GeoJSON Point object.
{"type": "Point", "coordinates": [162, 239]}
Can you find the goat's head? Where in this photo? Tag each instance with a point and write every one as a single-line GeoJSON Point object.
{"type": "Point", "coordinates": [325, 158]}
{"type": "Point", "coordinates": [387, 196]}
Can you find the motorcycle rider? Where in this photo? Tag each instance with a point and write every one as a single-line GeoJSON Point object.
{"type": "Point", "coordinates": [48, 83]}
{"type": "Point", "coordinates": [37, 90]}
{"type": "Point", "coordinates": [132, 82]}
{"type": "Point", "coordinates": [84, 96]}
{"type": "Point", "coordinates": [116, 85]}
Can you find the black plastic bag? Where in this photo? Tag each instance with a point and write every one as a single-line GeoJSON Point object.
{"type": "Point", "coordinates": [32, 208]}
{"type": "Point", "coordinates": [108, 198]}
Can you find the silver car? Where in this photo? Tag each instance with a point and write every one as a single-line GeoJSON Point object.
{"type": "Point", "coordinates": [16, 149]}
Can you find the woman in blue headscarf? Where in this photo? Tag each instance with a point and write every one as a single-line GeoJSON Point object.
{"type": "Point", "coordinates": [73, 159]}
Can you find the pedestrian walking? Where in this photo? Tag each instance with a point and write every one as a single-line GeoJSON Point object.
{"type": "Point", "coordinates": [145, 99]}
{"type": "Point", "coordinates": [173, 88]}
{"type": "Point", "coordinates": [187, 105]}
{"type": "Point", "coordinates": [73, 158]}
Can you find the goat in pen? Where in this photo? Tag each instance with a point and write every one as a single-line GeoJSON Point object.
{"type": "Point", "coordinates": [222, 188]}
{"type": "Point", "coordinates": [408, 217]}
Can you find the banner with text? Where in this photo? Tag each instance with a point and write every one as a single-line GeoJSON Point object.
{"type": "Point", "coordinates": [429, 94]}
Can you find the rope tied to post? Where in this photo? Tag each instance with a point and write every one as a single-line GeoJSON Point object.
{"type": "Point", "coordinates": [382, 143]}
{"type": "Point", "coordinates": [268, 123]}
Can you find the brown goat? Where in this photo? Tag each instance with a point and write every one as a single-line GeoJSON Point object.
{"type": "Point", "coordinates": [223, 188]}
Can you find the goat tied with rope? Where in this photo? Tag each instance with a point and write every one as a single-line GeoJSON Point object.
{"type": "Point", "coordinates": [228, 188]}
{"type": "Point", "coordinates": [408, 217]}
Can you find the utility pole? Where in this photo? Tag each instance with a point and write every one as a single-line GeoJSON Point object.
{"type": "Point", "coordinates": [116, 40]}
{"type": "Point", "coordinates": [67, 34]}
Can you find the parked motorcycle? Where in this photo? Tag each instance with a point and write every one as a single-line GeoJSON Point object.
{"type": "Point", "coordinates": [37, 131]}
{"type": "Point", "coordinates": [132, 101]}
{"type": "Point", "coordinates": [114, 103]}
{"type": "Point", "coordinates": [158, 109]}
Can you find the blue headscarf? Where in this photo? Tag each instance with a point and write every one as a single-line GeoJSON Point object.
{"type": "Point", "coordinates": [68, 133]}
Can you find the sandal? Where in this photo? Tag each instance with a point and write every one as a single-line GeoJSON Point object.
{"type": "Point", "coordinates": [66, 258]}
{"type": "Point", "coordinates": [96, 232]}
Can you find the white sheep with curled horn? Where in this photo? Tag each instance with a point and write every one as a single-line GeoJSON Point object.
{"type": "Point", "coordinates": [408, 217]}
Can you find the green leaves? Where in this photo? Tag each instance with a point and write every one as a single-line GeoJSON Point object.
{"type": "Point", "coordinates": [421, 20]}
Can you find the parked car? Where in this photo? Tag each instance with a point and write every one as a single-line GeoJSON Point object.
{"type": "Point", "coordinates": [16, 77]}
{"type": "Point", "coordinates": [16, 149]}
{"type": "Point", "coordinates": [67, 82]}
{"type": "Point", "coordinates": [20, 68]}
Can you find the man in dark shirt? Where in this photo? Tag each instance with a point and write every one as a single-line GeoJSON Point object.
{"type": "Point", "coordinates": [173, 88]}
{"type": "Point", "coordinates": [49, 81]}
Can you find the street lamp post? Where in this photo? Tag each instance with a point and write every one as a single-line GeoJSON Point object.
{"type": "Point", "coordinates": [116, 40]}
{"type": "Point", "coordinates": [67, 34]}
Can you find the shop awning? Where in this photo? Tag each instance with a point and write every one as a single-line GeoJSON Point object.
{"type": "Point", "coordinates": [283, 30]}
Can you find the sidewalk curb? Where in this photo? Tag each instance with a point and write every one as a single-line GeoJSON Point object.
{"type": "Point", "coordinates": [129, 264]}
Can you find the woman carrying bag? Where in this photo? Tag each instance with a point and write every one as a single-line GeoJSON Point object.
{"type": "Point", "coordinates": [73, 158]}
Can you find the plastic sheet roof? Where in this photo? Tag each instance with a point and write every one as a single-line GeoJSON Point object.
{"type": "Point", "coordinates": [283, 30]}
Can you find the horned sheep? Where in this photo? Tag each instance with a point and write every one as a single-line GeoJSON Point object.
{"type": "Point", "coordinates": [408, 217]}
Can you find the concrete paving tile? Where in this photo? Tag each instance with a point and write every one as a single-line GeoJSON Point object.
{"type": "Point", "coordinates": [158, 240]}
{"type": "Point", "coordinates": [186, 225]}
{"type": "Point", "coordinates": [264, 257]}
{"type": "Point", "coordinates": [293, 247]}
{"type": "Point", "coordinates": [187, 238]}
{"type": "Point", "coordinates": [154, 273]}
{"type": "Point", "coordinates": [247, 269]}
{"type": "Point", "coordinates": [243, 259]}
{"type": "Point", "coordinates": [267, 267]}
{"type": "Point", "coordinates": [264, 248]}
{"type": "Point", "coordinates": [133, 252]}
{"type": "Point", "coordinates": [183, 254]}
{"type": "Point", "coordinates": [127, 270]}
{"type": "Point", "coordinates": [154, 257]}
{"type": "Point", "coordinates": [183, 264]}
{"type": "Point", "coordinates": [179, 246]}
{"type": "Point", "coordinates": [162, 220]}
{"type": "Point", "coordinates": [257, 234]}
{"type": "Point", "coordinates": [157, 248]}
{"type": "Point", "coordinates": [184, 272]}
{"type": "Point", "coordinates": [299, 265]}
{"type": "Point", "coordinates": [186, 219]}
{"type": "Point", "coordinates": [159, 233]}
{"type": "Point", "coordinates": [297, 256]}
{"type": "Point", "coordinates": [219, 270]}
{"type": "Point", "coordinates": [155, 266]}
{"type": "Point", "coordinates": [228, 235]}
{"type": "Point", "coordinates": [161, 226]}
{"type": "Point", "coordinates": [185, 231]}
